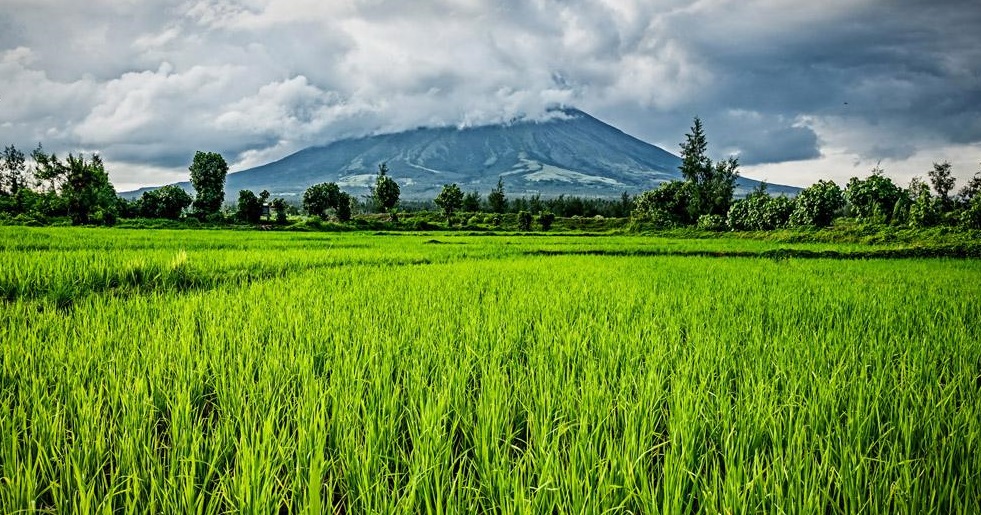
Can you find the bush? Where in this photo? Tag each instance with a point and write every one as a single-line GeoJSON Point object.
{"type": "Point", "coordinates": [816, 205]}
{"type": "Point", "coordinates": [971, 217]}
{"type": "Point", "coordinates": [546, 219]}
{"type": "Point", "coordinates": [711, 223]}
{"type": "Point", "coordinates": [524, 221]}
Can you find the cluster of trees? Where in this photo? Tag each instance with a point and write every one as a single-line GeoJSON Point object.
{"type": "Point", "coordinates": [875, 199]}
{"type": "Point", "coordinates": [79, 188]}
{"type": "Point", "coordinates": [705, 198]}
{"type": "Point", "coordinates": [706, 193]}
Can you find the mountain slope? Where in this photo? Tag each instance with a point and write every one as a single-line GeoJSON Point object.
{"type": "Point", "coordinates": [572, 154]}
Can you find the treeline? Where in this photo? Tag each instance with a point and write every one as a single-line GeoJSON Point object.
{"type": "Point", "coordinates": [78, 188]}
{"type": "Point", "coordinates": [705, 199]}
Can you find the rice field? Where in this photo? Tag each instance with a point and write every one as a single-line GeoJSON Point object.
{"type": "Point", "coordinates": [262, 372]}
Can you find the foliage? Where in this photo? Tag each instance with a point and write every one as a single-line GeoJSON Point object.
{"type": "Point", "coordinates": [816, 205]}
{"type": "Point", "coordinates": [496, 200]}
{"type": "Point", "coordinates": [922, 210]}
{"type": "Point", "coordinates": [208, 171]}
{"type": "Point", "coordinates": [666, 205]}
{"type": "Point", "coordinates": [971, 189]}
{"type": "Point", "coordinates": [471, 202]}
{"type": "Point", "coordinates": [249, 207]}
{"type": "Point", "coordinates": [943, 183]}
{"type": "Point", "coordinates": [524, 221]}
{"type": "Point", "coordinates": [450, 200]}
{"type": "Point", "coordinates": [760, 212]}
{"type": "Point", "coordinates": [85, 190]}
{"type": "Point", "coordinates": [279, 207]}
{"type": "Point", "coordinates": [546, 219]}
{"type": "Point", "coordinates": [971, 216]}
{"type": "Point", "coordinates": [320, 198]}
{"type": "Point", "coordinates": [13, 171]}
{"type": "Point", "coordinates": [711, 186]}
{"type": "Point", "coordinates": [385, 193]}
{"type": "Point", "coordinates": [874, 198]}
{"type": "Point", "coordinates": [344, 201]}
{"type": "Point", "coordinates": [166, 202]}
{"type": "Point", "coordinates": [713, 223]}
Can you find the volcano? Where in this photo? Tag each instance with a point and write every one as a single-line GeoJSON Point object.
{"type": "Point", "coordinates": [568, 153]}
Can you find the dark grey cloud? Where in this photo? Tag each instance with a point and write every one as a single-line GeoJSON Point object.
{"type": "Point", "coordinates": [778, 82]}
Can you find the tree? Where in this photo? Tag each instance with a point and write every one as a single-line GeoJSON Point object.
{"type": "Point", "coordinates": [87, 192]}
{"type": "Point", "coordinates": [48, 168]}
{"type": "Point", "coordinates": [317, 199]}
{"type": "Point", "coordinates": [923, 211]}
{"type": "Point", "coordinates": [249, 208]}
{"type": "Point", "coordinates": [816, 205]}
{"type": "Point", "coordinates": [874, 198]}
{"type": "Point", "coordinates": [626, 205]}
{"type": "Point", "coordinates": [695, 167]}
{"type": "Point", "coordinates": [943, 183]}
{"type": "Point", "coordinates": [524, 221]}
{"type": "Point", "coordinates": [166, 202]}
{"type": "Point", "coordinates": [344, 206]}
{"type": "Point", "coordinates": [386, 191]}
{"type": "Point", "coordinates": [496, 199]}
{"type": "Point", "coordinates": [450, 199]}
{"type": "Point", "coordinates": [711, 186]}
{"type": "Point", "coordinates": [13, 170]}
{"type": "Point", "coordinates": [546, 219]}
{"type": "Point", "coordinates": [279, 207]}
{"type": "Point", "coordinates": [971, 189]}
{"type": "Point", "coordinates": [208, 171]}
{"type": "Point", "coordinates": [471, 202]}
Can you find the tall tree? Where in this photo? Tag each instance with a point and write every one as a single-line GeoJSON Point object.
{"type": "Point", "coordinates": [47, 168]}
{"type": "Point", "coordinates": [943, 183]}
{"type": "Point", "coordinates": [471, 202]}
{"type": "Point", "coordinates": [450, 199]}
{"type": "Point", "coordinates": [208, 172]}
{"type": "Point", "coordinates": [971, 189]}
{"type": "Point", "coordinates": [386, 191]}
{"type": "Point", "coordinates": [711, 186]}
{"type": "Point", "coordinates": [696, 167]}
{"type": "Point", "coordinates": [13, 170]}
{"type": "Point", "coordinates": [87, 191]}
{"type": "Point", "coordinates": [496, 199]}
{"type": "Point", "coordinates": [344, 206]}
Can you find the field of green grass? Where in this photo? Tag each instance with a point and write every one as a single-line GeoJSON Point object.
{"type": "Point", "coordinates": [204, 371]}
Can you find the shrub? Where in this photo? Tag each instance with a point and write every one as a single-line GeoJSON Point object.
{"type": "Point", "coordinates": [524, 221]}
{"type": "Point", "coordinates": [711, 223]}
{"type": "Point", "coordinates": [546, 219]}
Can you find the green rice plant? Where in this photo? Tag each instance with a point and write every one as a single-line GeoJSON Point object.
{"type": "Point", "coordinates": [213, 372]}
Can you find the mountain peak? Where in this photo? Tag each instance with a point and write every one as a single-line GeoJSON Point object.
{"type": "Point", "coordinates": [565, 152]}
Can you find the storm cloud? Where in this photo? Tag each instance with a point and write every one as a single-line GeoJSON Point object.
{"type": "Point", "coordinates": [799, 91]}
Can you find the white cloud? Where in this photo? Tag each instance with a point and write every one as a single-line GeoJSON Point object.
{"type": "Point", "coordinates": [149, 82]}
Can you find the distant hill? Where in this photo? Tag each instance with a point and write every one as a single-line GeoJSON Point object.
{"type": "Point", "coordinates": [571, 153]}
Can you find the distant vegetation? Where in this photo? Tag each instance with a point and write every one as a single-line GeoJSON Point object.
{"type": "Point", "coordinates": [48, 190]}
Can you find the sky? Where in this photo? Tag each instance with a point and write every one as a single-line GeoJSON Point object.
{"type": "Point", "coordinates": [800, 91]}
